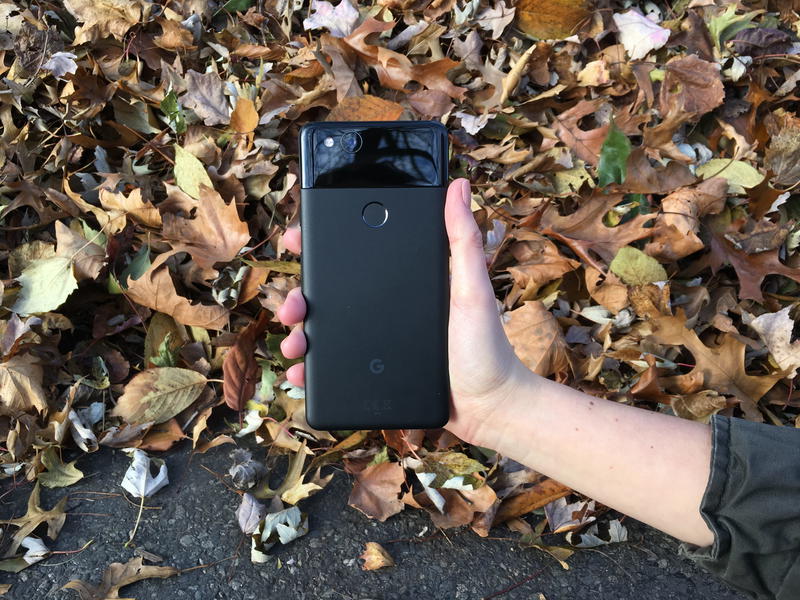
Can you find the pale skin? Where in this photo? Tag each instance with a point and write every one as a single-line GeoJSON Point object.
{"type": "Point", "coordinates": [648, 465]}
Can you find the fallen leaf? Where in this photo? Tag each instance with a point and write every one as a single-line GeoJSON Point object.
{"type": "Point", "coordinates": [529, 499]}
{"type": "Point", "coordinates": [340, 21]}
{"type": "Point", "coordinates": [751, 269]}
{"type": "Point", "coordinates": [538, 262]}
{"type": "Point", "coordinates": [613, 164]}
{"type": "Point", "coordinates": [139, 480]}
{"type": "Point", "coordinates": [377, 489]}
{"type": "Point", "coordinates": [240, 369]}
{"type": "Point", "coordinates": [635, 267]}
{"type": "Point", "coordinates": [61, 63]}
{"type": "Point", "coordinates": [156, 290]}
{"type": "Point", "coordinates": [782, 156]}
{"type": "Point", "coordinates": [249, 513]}
{"type": "Point", "coordinates": [586, 144]}
{"type": "Point", "coordinates": [775, 330]}
{"type": "Point", "coordinates": [676, 226]}
{"type": "Point", "coordinates": [190, 173]}
{"type": "Point", "coordinates": [282, 526]}
{"type": "Point", "coordinates": [537, 339]}
{"type": "Point", "coordinates": [46, 285]}
{"type": "Point", "coordinates": [35, 551]}
{"type": "Point", "coordinates": [205, 95]}
{"type": "Point", "coordinates": [395, 70]}
{"type": "Point", "coordinates": [719, 368]}
{"type": "Point", "coordinates": [244, 118]}
{"type": "Point", "coordinates": [638, 34]}
{"type": "Point", "coordinates": [739, 174]}
{"type": "Point", "coordinates": [58, 474]}
{"type": "Point", "coordinates": [551, 19]}
{"type": "Point", "coordinates": [496, 18]}
{"type": "Point", "coordinates": [103, 18]}
{"type": "Point", "coordinates": [563, 517]}
{"type": "Point", "coordinates": [21, 384]}
{"type": "Point", "coordinates": [215, 234]}
{"type": "Point", "coordinates": [365, 108]}
{"type": "Point", "coordinates": [116, 576]}
{"type": "Point", "coordinates": [156, 395]}
{"type": "Point", "coordinates": [89, 258]}
{"type": "Point", "coordinates": [584, 230]}
{"type": "Point", "coordinates": [375, 557]}
{"type": "Point", "coordinates": [691, 86]}
{"type": "Point", "coordinates": [34, 517]}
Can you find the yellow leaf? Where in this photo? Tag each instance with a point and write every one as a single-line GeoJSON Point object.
{"type": "Point", "coordinates": [635, 267]}
{"type": "Point", "coordinates": [190, 172]}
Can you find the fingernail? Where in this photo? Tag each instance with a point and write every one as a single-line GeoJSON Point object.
{"type": "Point", "coordinates": [466, 193]}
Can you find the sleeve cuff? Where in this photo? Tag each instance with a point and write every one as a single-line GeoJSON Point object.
{"type": "Point", "coordinates": [715, 489]}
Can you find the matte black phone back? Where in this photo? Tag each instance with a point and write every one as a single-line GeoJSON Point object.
{"type": "Point", "coordinates": [377, 309]}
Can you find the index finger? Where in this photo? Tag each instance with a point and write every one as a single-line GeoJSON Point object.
{"type": "Point", "coordinates": [291, 239]}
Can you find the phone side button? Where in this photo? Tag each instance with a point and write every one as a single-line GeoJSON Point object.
{"type": "Point", "coordinates": [375, 214]}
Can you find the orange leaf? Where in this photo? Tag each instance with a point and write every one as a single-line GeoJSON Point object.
{"type": "Point", "coordinates": [365, 108]}
{"type": "Point", "coordinates": [244, 118]}
{"type": "Point", "coordinates": [551, 19]}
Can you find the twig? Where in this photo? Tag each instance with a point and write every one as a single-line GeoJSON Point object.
{"type": "Point", "coordinates": [136, 525]}
{"type": "Point", "coordinates": [515, 585]}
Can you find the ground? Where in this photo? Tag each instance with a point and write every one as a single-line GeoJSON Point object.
{"type": "Point", "coordinates": [195, 524]}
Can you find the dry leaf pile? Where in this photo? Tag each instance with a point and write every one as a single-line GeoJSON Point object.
{"type": "Point", "coordinates": [635, 174]}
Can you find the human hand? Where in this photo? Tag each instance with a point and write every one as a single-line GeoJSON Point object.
{"type": "Point", "coordinates": [484, 371]}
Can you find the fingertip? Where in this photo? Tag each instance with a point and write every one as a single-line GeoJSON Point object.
{"type": "Point", "coordinates": [296, 375]}
{"type": "Point", "coordinates": [292, 239]}
{"type": "Point", "coordinates": [293, 309]}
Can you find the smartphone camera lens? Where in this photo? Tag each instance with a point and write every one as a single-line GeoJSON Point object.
{"type": "Point", "coordinates": [351, 142]}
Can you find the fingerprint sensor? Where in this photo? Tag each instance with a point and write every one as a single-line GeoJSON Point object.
{"type": "Point", "coordinates": [375, 214]}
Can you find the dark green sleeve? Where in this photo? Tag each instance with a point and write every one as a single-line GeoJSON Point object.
{"type": "Point", "coordinates": [752, 504]}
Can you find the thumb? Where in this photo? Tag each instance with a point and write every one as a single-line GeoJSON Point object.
{"type": "Point", "coordinates": [470, 283]}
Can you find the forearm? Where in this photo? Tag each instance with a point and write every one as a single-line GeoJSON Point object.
{"type": "Point", "coordinates": [650, 466]}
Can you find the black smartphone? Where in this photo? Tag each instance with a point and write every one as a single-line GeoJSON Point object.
{"type": "Point", "coordinates": [375, 274]}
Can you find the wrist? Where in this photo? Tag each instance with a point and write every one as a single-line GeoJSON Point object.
{"type": "Point", "coordinates": [491, 419]}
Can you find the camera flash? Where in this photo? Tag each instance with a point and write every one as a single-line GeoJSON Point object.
{"type": "Point", "coordinates": [328, 142]}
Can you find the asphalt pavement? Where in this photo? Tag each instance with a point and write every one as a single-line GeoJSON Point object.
{"type": "Point", "coordinates": [192, 522]}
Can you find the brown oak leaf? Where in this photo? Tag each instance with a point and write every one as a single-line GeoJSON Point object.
{"type": "Point", "coordinates": [155, 289]}
{"type": "Point", "coordinates": [215, 234]}
{"type": "Point", "coordinates": [377, 489]}
{"type": "Point", "coordinates": [719, 368]}
{"type": "Point", "coordinates": [584, 230]}
{"type": "Point", "coordinates": [677, 224]}
{"type": "Point", "coordinates": [395, 70]}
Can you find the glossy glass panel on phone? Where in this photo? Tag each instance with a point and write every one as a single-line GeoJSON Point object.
{"type": "Point", "coordinates": [392, 154]}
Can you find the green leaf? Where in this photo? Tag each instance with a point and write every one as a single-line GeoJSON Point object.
{"type": "Point", "coordinates": [237, 5]}
{"type": "Point", "coordinates": [46, 284]}
{"type": "Point", "coordinates": [380, 457]}
{"type": "Point", "coordinates": [739, 174]}
{"type": "Point", "coordinates": [190, 172]}
{"type": "Point", "coordinates": [635, 267]}
{"type": "Point", "coordinates": [167, 353]}
{"type": "Point", "coordinates": [613, 165]}
{"type": "Point", "coordinates": [135, 269]}
{"type": "Point", "coordinates": [158, 394]}
{"type": "Point", "coordinates": [58, 474]}
{"type": "Point", "coordinates": [726, 25]}
{"type": "Point", "coordinates": [174, 112]}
